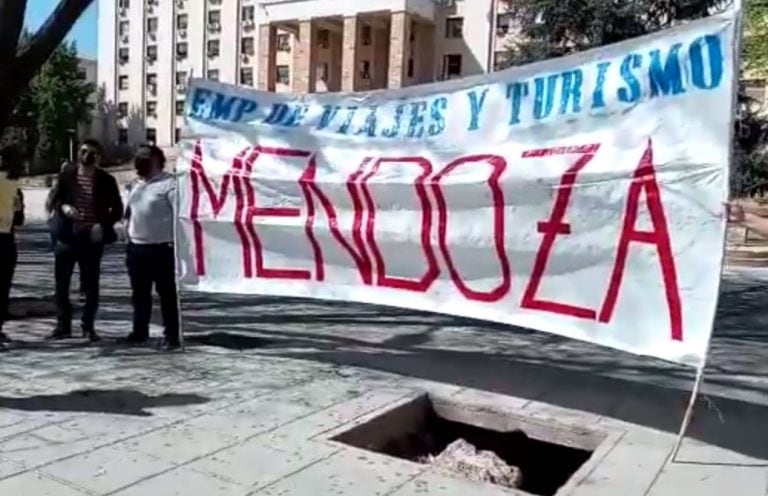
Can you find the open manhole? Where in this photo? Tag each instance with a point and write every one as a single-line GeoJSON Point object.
{"type": "Point", "coordinates": [544, 455]}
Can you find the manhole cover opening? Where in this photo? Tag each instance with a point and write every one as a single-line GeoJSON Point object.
{"type": "Point", "coordinates": [546, 454]}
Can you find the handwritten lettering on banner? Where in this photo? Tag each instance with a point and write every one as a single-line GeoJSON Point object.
{"type": "Point", "coordinates": [673, 71]}
{"type": "Point", "coordinates": [581, 197]}
{"type": "Point", "coordinates": [246, 211]}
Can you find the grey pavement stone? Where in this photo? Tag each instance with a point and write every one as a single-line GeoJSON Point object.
{"type": "Point", "coordinates": [347, 473]}
{"type": "Point", "coordinates": [183, 481]}
{"type": "Point", "coordinates": [710, 480]}
{"type": "Point", "coordinates": [107, 469]}
{"type": "Point", "coordinates": [254, 464]}
{"type": "Point", "coordinates": [33, 484]}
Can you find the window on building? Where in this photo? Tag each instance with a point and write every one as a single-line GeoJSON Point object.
{"type": "Point", "coordinates": [451, 66]}
{"type": "Point", "coordinates": [322, 73]}
{"type": "Point", "coordinates": [122, 82]}
{"type": "Point", "coordinates": [122, 109]}
{"type": "Point", "coordinates": [81, 75]}
{"type": "Point", "coordinates": [151, 53]}
{"type": "Point", "coordinates": [124, 4]}
{"type": "Point", "coordinates": [283, 75]}
{"type": "Point", "coordinates": [124, 28]}
{"type": "Point", "coordinates": [283, 42]}
{"type": "Point", "coordinates": [152, 24]}
{"type": "Point", "coordinates": [152, 83]}
{"type": "Point", "coordinates": [365, 69]}
{"type": "Point", "coordinates": [179, 107]}
{"type": "Point", "coordinates": [177, 135]}
{"type": "Point", "coordinates": [182, 21]}
{"type": "Point", "coordinates": [214, 17]}
{"type": "Point", "coordinates": [454, 27]}
{"type": "Point", "coordinates": [213, 74]}
{"type": "Point", "coordinates": [410, 67]}
{"type": "Point", "coordinates": [366, 34]}
{"type": "Point", "coordinates": [123, 55]}
{"type": "Point", "coordinates": [246, 76]}
{"type": "Point", "coordinates": [122, 136]}
{"type": "Point", "coordinates": [249, 14]}
{"type": "Point", "coordinates": [151, 109]}
{"type": "Point", "coordinates": [181, 77]}
{"type": "Point", "coordinates": [504, 23]}
{"type": "Point", "coordinates": [182, 49]}
{"type": "Point", "coordinates": [323, 38]}
{"type": "Point", "coordinates": [246, 46]}
{"type": "Point", "coordinates": [214, 48]}
{"type": "Point", "coordinates": [151, 135]}
{"type": "Point", "coordinates": [499, 60]}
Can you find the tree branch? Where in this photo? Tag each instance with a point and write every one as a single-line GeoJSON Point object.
{"type": "Point", "coordinates": [48, 37]}
{"type": "Point", "coordinates": [11, 23]}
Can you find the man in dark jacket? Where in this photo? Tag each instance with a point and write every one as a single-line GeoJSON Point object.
{"type": "Point", "coordinates": [86, 204]}
{"type": "Point", "coordinates": [10, 218]}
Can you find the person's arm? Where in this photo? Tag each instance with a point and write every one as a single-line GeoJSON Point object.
{"type": "Point", "coordinates": [746, 217]}
{"type": "Point", "coordinates": [116, 203]}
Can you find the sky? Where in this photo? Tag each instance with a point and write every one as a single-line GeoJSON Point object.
{"type": "Point", "coordinates": [84, 32]}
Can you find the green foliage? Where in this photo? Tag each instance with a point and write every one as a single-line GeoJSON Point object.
{"type": "Point", "coordinates": [756, 39]}
{"type": "Point", "coordinates": [55, 104]}
{"type": "Point", "coordinates": [552, 28]}
{"type": "Point", "coordinates": [61, 97]}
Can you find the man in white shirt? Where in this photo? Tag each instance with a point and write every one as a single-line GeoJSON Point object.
{"type": "Point", "coordinates": [150, 254]}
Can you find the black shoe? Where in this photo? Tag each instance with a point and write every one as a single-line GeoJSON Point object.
{"type": "Point", "coordinates": [171, 344]}
{"type": "Point", "coordinates": [134, 338]}
{"type": "Point", "coordinates": [92, 336]}
{"type": "Point", "coordinates": [58, 335]}
{"type": "Point", "coordinates": [4, 338]}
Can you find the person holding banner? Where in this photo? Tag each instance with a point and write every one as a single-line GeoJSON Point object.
{"type": "Point", "coordinates": [748, 218]}
{"type": "Point", "coordinates": [11, 216]}
{"type": "Point", "coordinates": [86, 206]}
{"type": "Point", "coordinates": [150, 254]}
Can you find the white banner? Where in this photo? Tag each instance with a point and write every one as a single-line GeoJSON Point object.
{"type": "Point", "coordinates": [580, 196]}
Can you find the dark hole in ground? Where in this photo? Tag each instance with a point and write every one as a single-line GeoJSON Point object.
{"type": "Point", "coordinates": [421, 428]}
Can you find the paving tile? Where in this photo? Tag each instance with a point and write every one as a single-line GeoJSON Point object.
{"type": "Point", "coordinates": [179, 443]}
{"type": "Point", "coordinates": [710, 480]}
{"type": "Point", "coordinates": [347, 473]}
{"type": "Point", "coordinates": [107, 469]}
{"type": "Point", "coordinates": [32, 484]}
{"type": "Point", "coordinates": [183, 481]}
{"type": "Point", "coordinates": [34, 451]}
{"type": "Point", "coordinates": [629, 468]}
{"type": "Point", "coordinates": [255, 464]}
{"type": "Point", "coordinates": [327, 421]}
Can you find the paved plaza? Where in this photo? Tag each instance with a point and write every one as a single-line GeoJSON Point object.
{"type": "Point", "coordinates": [265, 383]}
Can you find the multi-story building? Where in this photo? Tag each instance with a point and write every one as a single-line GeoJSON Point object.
{"type": "Point", "coordinates": [149, 48]}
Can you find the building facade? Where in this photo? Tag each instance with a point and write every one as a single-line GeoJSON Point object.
{"type": "Point", "coordinates": [148, 49]}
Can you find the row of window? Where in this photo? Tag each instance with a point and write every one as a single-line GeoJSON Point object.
{"type": "Point", "coordinates": [247, 47]}
{"type": "Point", "coordinates": [150, 135]}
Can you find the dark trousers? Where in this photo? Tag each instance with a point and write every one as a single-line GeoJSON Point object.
{"type": "Point", "coordinates": [150, 265]}
{"type": "Point", "coordinates": [7, 267]}
{"type": "Point", "coordinates": [87, 255]}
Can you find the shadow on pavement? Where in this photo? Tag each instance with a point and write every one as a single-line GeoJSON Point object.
{"type": "Point", "coordinates": [117, 401]}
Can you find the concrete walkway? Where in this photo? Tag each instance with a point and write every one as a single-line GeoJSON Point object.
{"type": "Point", "coordinates": [251, 407]}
